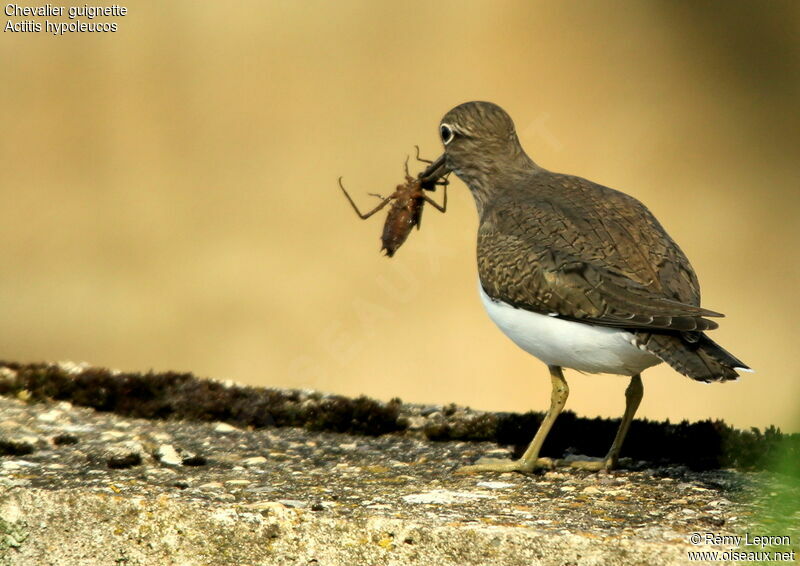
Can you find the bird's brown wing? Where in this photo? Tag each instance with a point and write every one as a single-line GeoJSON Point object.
{"type": "Point", "coordinates": [585, 252]}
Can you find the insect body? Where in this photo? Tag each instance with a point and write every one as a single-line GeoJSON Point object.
{"type": "Point", "coordinates": [406, 211]}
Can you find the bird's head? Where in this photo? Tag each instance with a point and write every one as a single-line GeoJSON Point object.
{"type": "Point", "coordinates": [480, 143]}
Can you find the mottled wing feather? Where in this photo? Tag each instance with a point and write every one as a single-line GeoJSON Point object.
{"type": "Point", "coordinates": [586, 252]}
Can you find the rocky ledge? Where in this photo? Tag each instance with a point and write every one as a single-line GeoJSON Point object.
{"type": "Point", "coordinates": [85, 486]}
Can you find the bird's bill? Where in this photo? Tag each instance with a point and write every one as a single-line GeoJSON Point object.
{"type": "Point", "coordinates": [433, 173]}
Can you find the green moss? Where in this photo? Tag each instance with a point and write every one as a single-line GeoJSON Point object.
{"type": "Point", "coordinates": [10, 447]}
{"type": "Point", "coordinates": [699, 446]}
{"type": "Point", "coordinates": [777, 501]}
{"type": "Point", "coordinates": [184, 396]}
{"type": "Point", "coordinates": [479, 428]}
{"type": "Point", "coordinates": [12, 535]}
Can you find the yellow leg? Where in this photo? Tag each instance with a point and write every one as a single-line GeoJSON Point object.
{"type": "Point", "coordinates": [530, 459]}
{"type": "Point", "coordinates": [633, 396]}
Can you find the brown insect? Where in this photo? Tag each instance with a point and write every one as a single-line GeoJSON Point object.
{"type": "Point", "coordinates": [406, 210]}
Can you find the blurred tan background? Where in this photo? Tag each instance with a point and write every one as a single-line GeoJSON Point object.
{"type": "Point", "coordinates": [169, 197]}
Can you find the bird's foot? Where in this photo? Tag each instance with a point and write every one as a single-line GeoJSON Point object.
{"type": "Point", "coordinates": [591, 465]}
{"type": "Point", "coordinates": [504, 465]}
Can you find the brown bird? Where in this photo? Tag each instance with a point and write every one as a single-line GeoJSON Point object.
{"type": "Point", "coordinates": [577, 274]}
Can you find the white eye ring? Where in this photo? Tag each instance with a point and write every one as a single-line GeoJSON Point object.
{"type": "Point", "coordinates": [447, 133]}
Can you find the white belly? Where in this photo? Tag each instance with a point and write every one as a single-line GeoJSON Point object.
{"type": "Point", "coordinates": [557, 342]}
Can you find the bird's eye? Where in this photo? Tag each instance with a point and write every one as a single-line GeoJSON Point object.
{"type": "Point", "coordinates": [446, 133]}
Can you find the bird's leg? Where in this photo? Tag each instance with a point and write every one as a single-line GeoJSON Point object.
{"type": "Point", "coordinates": [530, 459]}
{"type": "Point", "coordinates": [633, 396]}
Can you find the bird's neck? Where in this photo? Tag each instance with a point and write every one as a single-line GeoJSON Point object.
{"type": "Point", "coordinates": [494, 175]}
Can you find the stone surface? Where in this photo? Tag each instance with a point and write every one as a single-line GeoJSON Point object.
{"type": "Point", "coordinates": [250, 476]}
{"type": "Point", "coordinates": [702, 445]}
{"type": "Point", "coordinates": [294, 497]}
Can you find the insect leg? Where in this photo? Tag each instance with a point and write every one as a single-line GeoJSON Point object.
{"type": "Point", "coordinates": [440, 207]}
{"type": "Point", "coordinates": [421, 159]}
{"type": "Point", "coordinates": [366, 215]}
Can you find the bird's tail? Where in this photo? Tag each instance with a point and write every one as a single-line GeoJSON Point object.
{"type": "Point", "coordinates": [694, 354]}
